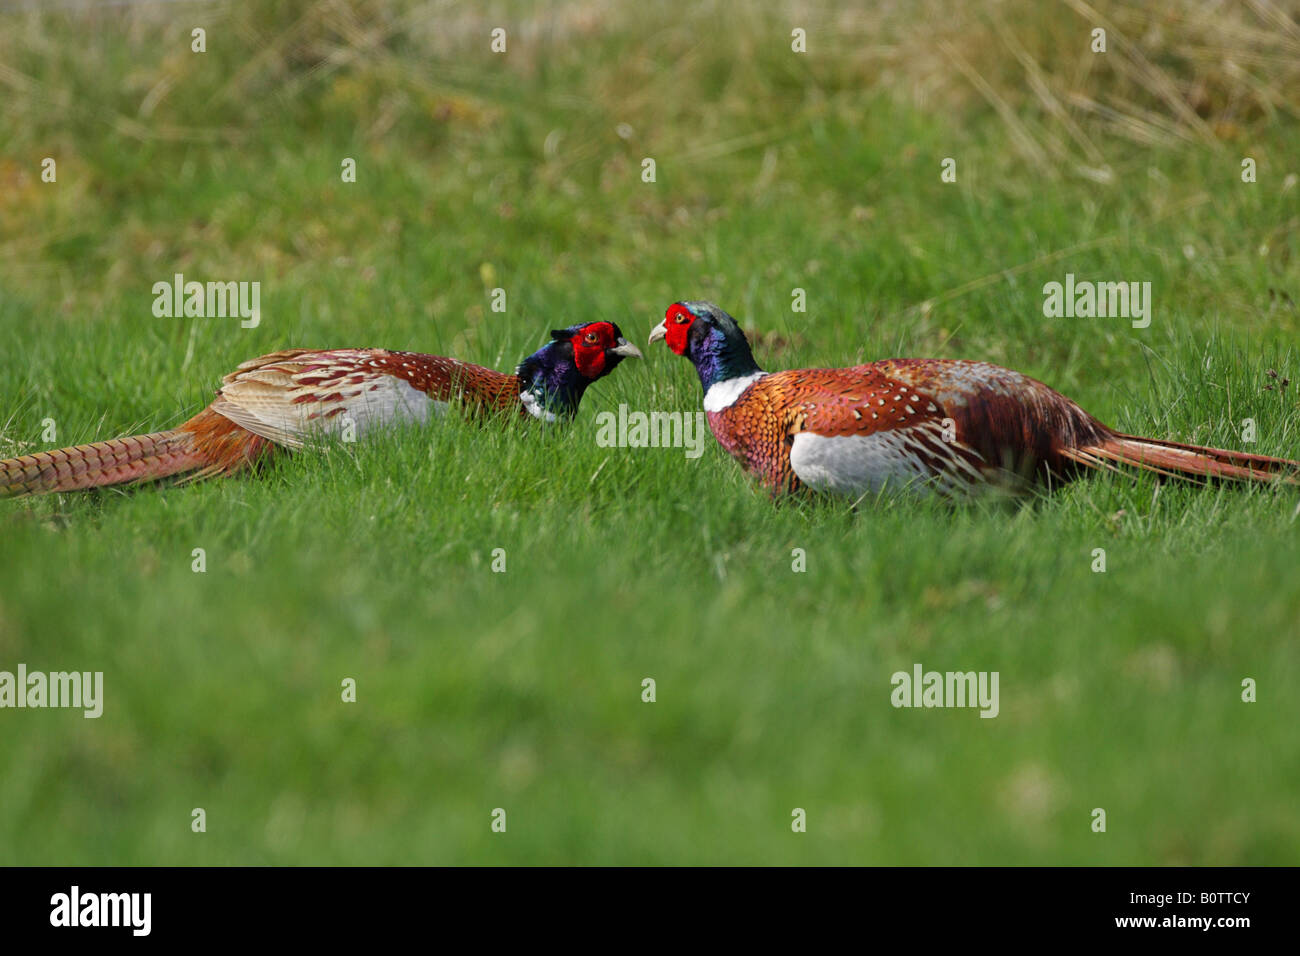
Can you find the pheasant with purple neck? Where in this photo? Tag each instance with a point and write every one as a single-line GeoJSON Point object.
{"type": "Point", "coordinates": [932, 426]}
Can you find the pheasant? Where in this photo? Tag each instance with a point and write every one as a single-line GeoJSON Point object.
{"type": "Point", "coordinates": [285, 399]}
{"type": "Point", "coordinates": [937, 426]}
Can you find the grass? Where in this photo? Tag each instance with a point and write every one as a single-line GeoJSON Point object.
{"type": "Point", "coordinates": [522, 689]}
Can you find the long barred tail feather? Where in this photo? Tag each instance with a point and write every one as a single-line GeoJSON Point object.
{"type": "Point", "coordinates": [206, 445]}
{"type": "Point", "coordinates": [112, 462]}
{"type": "Point", "coordinates": [1191, 462]}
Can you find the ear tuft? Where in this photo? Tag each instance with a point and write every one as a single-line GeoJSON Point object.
{"type": "Point", "coordinates": [561, 335]}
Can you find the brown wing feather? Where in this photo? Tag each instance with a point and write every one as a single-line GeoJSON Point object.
{"type": "Point", "coordinates": [861, 400]}
{"type": "Point", "coordinates": [965, 423]}
{"type": "Point", "coordinates": [1011, 420]}
{"type": "Point", "coordinates": [287, 395]}
{"type": "Point", "coordinates": [759, 429]}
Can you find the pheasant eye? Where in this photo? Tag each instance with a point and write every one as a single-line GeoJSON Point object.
{"type": "Point", "coordinates": [592, 337]}
{"type": "Point", "coordinates": [682, 318]}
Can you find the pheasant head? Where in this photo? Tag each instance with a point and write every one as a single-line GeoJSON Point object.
{"type": "Point", "coordinates": [552, 379]}
{"type": "Point", "coordinates": [710, 338]}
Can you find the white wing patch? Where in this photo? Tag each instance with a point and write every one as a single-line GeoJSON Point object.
{"type": "Point", "coordinates": [271, 401]}
{"type": "Point", "coordinates": [894, 460]}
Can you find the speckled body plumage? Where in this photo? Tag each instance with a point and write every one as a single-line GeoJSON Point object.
{"type": "Point", "coordinates": [990, 412]}
{"type": "Point", "coordinates": [931, 425]}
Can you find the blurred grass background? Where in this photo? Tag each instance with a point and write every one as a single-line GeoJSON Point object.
{"type": "Point", "coordinates": [521, 690]}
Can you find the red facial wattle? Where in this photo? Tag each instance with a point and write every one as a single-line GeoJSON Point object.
{"type": "Point", "coordinates": [589, 357]}
{"type": "Point", "coordinates": [677, 323]}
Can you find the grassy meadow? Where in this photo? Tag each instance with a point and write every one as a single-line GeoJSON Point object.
{"type": "Point", "coordinates": [522, 690]}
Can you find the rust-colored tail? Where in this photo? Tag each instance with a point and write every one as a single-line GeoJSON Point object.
{"type": "Point", "coordinates": [1176, 460]}
{"type": "Point", "coordinates": [113, 462]}
{"type": "Point", "coordinates": [207, 444]}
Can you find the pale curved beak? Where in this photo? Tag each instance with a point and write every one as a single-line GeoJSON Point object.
{"type": "Point", "coordinates": [660, 331]}
{"type": "Point", "coordinates": [627, 349]}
